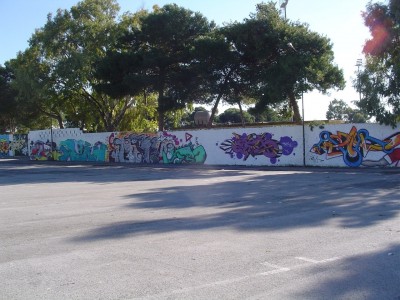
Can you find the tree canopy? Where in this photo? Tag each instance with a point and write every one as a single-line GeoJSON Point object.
{"type": "Point", "coordinates": [55, 74]}
{"type": "Point", "coordinates": [92, 68]}
{"type": "Point", "coordinates": [340, 110]}
{"type": "Point", "coordinates": [283, 59]}
{"type": "Point", "coordinates": [157, 55]}
{"type": "Point", "coordinates": [379, 81]}
{"type": "Point", "coordinates": [8, 102]}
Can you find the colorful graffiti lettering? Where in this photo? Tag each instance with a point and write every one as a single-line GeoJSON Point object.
{"type": "Point", "coordinates": [245, 145]}
{"type": "Point", "coordinates": [355, 145]}
{"type": "Point", "coordinates": [4, 145]}
{"type": "Point", "coordinates": [79, 150]}
{"type": "Point", "coordinates": [172, 153]}
{"type": "Point", "coordinates": [133, 148]}
{"type": "Point", "coordinates": [40, 150]}
{"type": "Point", "coordinates": [19, 144]}
{"type": "Point", "coordinates": [124, 147]}
{"type": "Point", "coordinates": [185, 154]}
{"type": "Point", "coordinates": [68, 150]}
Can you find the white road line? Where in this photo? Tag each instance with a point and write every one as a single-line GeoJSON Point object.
{"type": "Point", "coordinates": [318, 261]}
{"type": "Point", "coordinates": [274, 272]}
{"type": "Point", "coordinates": [278, 269]}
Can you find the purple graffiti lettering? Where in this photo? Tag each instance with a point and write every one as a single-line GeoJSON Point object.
{"type": "Point", "coordinates": [245, 145]}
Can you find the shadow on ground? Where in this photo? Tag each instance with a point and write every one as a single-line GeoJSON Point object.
{"type": "Point", "coordinates": [356, 276]}
{"type": "Point", "coordinates": [267, 202]}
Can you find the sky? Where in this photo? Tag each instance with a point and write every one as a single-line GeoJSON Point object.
{"type": "Point", "coordinates": [339, 20]}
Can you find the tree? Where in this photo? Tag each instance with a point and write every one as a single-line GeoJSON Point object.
{"type": "Point", "coordinates": [272, 113]}
{"type": "Point", "coordinates": [142, 116]}
{"type": "Point", "coordinates": [8, 103]}
{"type": "Point", "coordinates": [157, 53]}
{"type": "Point", "coordinates": [282, 60]}
{"type": "Point", "coordinates": [55, 73]}
{"type": "Point", "coordinates": [233, 115]}
{"type": "Point", "coordinates": [340, 110]}
{"type": "Point", "coordinates": [221, 68]}
{"type": "Point", "coordinates": [379, 81]}
{"type": "Point", "coordinates": [16, 115]}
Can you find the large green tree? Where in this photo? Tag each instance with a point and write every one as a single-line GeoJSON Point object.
{"type": "Point", "coordinates": [56, 71]}
{"type": "Point", "coordinates": [379, 81]}
{"type": "Point", "coordinates": [234, 115]}
{"type": "Point", "coordinates": [221, 70]}
{"type": "Point", "coordinates": [340, 110]}
{"type": "Point", "coordinates": [8, 104]}
{"type": "Point", "coordinates": [283, 59]}
{"type": "Point", "coordinates": [16, 115]}
{"type": "Point", "coordinates": [156, 54]}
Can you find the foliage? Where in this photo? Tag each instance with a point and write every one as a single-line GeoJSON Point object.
{"type": "Point", "coordinates": [379, 82]}
{"type": "Point", "coordinates": [142, 116]}
{"type": "Point", "coordinates": [221, 69]}
{"type": "Point", "coordinates": [86, 68]}
{"type": "Point", "coordinates": [156, 54]}
{"type": "Point", "coordinates": [233, 115]}
{"type": "Point", "coordinates": [340, 110]}
{"type": "Point", "coordinates": [282, 59]}
{"type": "Point", "coordinates": [8, 102]}
{"type": "Point", "coordinates": [16, 116]}
{"type": "Point", "coordinates": [272, 113]}
{"type": "Point", "coordinates": [55, 74]}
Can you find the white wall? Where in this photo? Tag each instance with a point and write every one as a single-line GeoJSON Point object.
{"type": "Point", "coordinates": [356, 145]}
{"type": "Point", "coordinates": [343, 145]}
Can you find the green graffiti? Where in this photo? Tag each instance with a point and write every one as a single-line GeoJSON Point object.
{"type": "Point", "coordinates": [78, 150]}
{"type": "Point", "coordinates": [185, 154]}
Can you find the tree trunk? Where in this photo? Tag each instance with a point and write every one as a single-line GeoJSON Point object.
{"type": "Point", "coordinates": [214, 111]}
{"type": "Point", "coordinates": [160, 119]}
{"type": "Point", "coordinates": [295, 107]}
{"type": "Point", "coordinates": [215, 107]}
{"type": "Point", "coordinates": [60, 122]}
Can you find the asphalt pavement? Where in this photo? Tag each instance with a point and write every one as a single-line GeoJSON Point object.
{"type": "Point", "coordinates": [122, 231]}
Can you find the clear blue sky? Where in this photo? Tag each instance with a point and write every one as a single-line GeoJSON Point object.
{"type": "Point", "coordinates": [339, 20]}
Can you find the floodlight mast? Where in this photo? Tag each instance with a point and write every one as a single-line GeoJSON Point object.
{"type": "Point", "coordinates": [283, 4]}
{"type": "Point", "coordinates": [359, 63]}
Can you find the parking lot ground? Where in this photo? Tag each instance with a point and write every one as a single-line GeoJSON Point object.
{"type": "Point", "coordinates": [98, 231]}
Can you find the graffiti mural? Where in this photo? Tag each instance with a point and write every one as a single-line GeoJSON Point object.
{"type": "Point", "coordinates": [245, 145]}
{"type": "Point", "coordinates": [68, 150]}
{"type": "Point", "coordinates": [174, 151]}
{"type": "Point", "coordinates": [133, 148]}
{"type": "Point", "coordinates": [354, 146]}
{"type": "Point", "coordinates": [79, 150]}
{"type": "Point", "coordinates": [123, 147]}
{"type": "Point", "coordinates": [19, 144]}
{"type": "Point", "coordinates": [40, 150]}
{"type": "Point", "coordinates": [152, 149]}
{"type": "Point", "coordinates": [4, 145]}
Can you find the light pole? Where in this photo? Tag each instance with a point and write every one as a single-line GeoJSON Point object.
{"type": "Point", "coordinates": [302, 124]}
{"type": "Point", "coordinates": [302, 85]}
{"type": "Point", "coordinates": [51, 140]}
{"type": "Point", "coordinates": [283, 4]}
{"type": "Point", "coordinates": [358, 65]}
